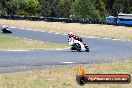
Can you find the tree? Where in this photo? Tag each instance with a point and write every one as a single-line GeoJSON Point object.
{"type": "Point", "coordinates": [46, 8]}
{"type": "Point", "coordinates": [32, 7]}
{"type": "Point", "coordinates": [12, 7]}
{"type": "Point", "coordinates": [4, 4]}
{"type": "Point", "coordinates": [117, 7]}
{"type": "Point", "coordinates": [56, 8]}
{"type": "Point", "coordinates": [108, 6]}
{"type": "Point", "coordinates": [62, 8]}
{"type": "Point", "coordinates": [1, 11]}
{"type": "Point", "coordinates": [100, 6]}
{"type": "Point", "coordinates": [127, 6]}
{"type": "Point", "coordinates": [84, 9]}
{"type": "Point", "coordinates": [94, 9]}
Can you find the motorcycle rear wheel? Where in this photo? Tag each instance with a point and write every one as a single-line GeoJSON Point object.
{"type": "Point", "coordinates": [87, 48]}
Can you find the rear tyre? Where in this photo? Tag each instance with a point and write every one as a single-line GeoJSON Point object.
{"type": "Point", "coordinates": [87, 48]}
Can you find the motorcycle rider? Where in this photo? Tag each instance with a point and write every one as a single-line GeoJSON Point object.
{"type": "Point", "coordinates": [5, 29]}
{"type": "Point", "coordinates": [77, 43]}
{"type": "Point", "coordinates": [75, 37]}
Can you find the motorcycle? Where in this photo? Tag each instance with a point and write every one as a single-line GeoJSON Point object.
{"type": "Point", "coordinates": [5, 29]}
{"type": "Point", "coordinates": [77, 45]}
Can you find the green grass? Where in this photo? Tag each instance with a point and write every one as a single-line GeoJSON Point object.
{"type": "Point", "coordinates": [65, 77]}
{"type": "Point", "coordinates": [13, 43]}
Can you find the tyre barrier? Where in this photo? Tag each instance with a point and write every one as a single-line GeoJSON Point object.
{"type": "Point", "coordinates": [65, 20]}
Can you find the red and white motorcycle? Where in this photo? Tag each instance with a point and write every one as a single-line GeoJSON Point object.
{"type": "Point", "coordinates": [76, 43]}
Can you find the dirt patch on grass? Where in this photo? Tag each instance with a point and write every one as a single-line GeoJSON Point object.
{"type": "Point", "coordinates": [98, 30]}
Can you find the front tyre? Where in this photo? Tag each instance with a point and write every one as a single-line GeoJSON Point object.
{"type": "Point", "coordinates": [78, 47]}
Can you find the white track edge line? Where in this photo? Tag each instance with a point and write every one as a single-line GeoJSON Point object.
{"type": "Point", "coordinates": [91, 37]}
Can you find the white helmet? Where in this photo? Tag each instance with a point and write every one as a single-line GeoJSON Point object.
{"type": "Point", "coordinates": [70, 33]}
{"type": "Point", "coordinates": [4, 26]}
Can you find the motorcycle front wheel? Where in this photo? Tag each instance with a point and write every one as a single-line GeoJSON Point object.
{"type": "Point", "coordinates": [78, 47]}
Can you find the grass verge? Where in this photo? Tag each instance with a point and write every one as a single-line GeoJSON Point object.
{"type": "Point", "coordinates": [97, 30]}
{"type": "Point", "coordinates": [13, 43]}
{"type": "Point", "coordinates": [64, 77]}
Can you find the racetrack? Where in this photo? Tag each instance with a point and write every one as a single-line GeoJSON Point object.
{"type": "Point", "coordinates": [101, 50]}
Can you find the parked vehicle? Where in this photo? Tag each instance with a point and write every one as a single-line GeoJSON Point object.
{"type": "Point", "coordinates": [121, 19]}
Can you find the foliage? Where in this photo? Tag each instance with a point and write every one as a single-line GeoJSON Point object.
{"type": "Point", "coordinates": [13, 7]}
{"type": "Point", "coordinates": [93, 9]}
{"type": "Point", "coordinates": [84, 9]}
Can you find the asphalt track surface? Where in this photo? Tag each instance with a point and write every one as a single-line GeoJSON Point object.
{"type": "Point", "coordinates": [101, 50]}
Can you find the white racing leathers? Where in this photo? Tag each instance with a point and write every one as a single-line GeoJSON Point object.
{"type": "Point", "coordinates": [77, 45]}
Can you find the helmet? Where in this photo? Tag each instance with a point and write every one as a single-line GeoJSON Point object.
{"type": "Point", "coordinates": [4, 26]}
{"type": "Point", "coordinates": [70, 34]}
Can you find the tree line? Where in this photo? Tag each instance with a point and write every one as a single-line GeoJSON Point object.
{"type": "Point", "coordinates": [92, 9]}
